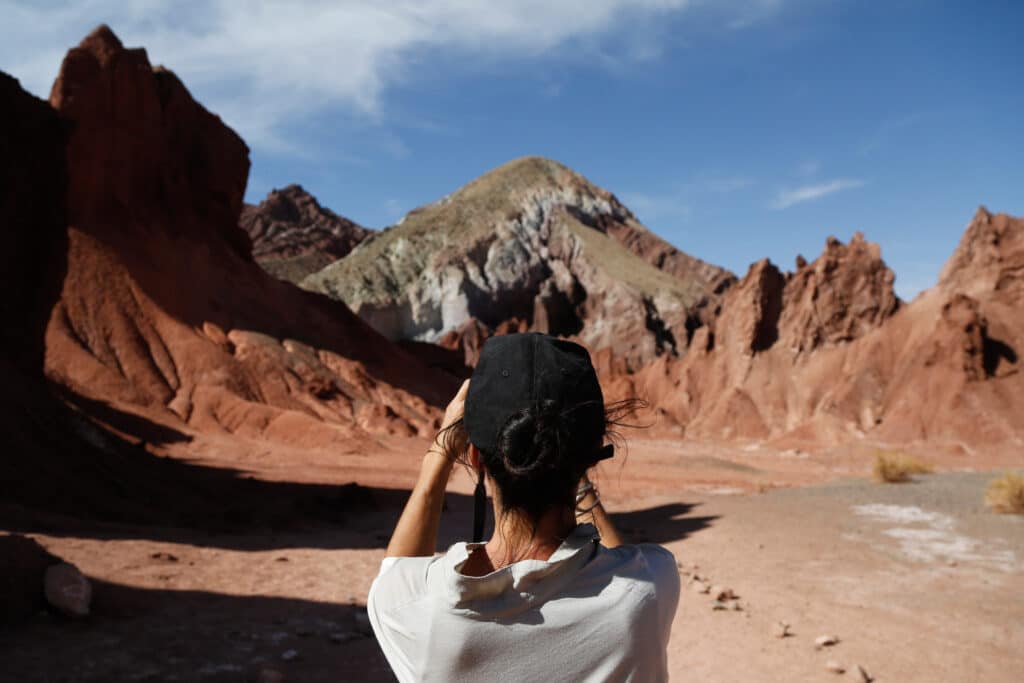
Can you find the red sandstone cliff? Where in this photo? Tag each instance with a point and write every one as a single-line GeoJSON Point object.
{"type": "Point", "coordinates": [828, 354]}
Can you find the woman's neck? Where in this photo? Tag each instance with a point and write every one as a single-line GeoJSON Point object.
{"type": "Point", "coordinates": [516, 538]}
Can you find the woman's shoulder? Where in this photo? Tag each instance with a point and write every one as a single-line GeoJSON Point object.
{"type": "Point", "coordinates": [401, 580]}
{"type": "Point", "coordinates": [647, 562]}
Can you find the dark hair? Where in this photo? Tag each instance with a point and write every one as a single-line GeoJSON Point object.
{"type": "Point", "coordinates": [544, 450]}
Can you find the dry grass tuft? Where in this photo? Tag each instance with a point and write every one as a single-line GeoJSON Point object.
{"type": "Point", "coordinates": [893, 467]}
{"type": "Point", "coordinates": [1006, 493]}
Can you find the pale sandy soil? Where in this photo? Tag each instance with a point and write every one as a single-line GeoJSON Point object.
{"type": "Point", "coordinates": [918, 581]}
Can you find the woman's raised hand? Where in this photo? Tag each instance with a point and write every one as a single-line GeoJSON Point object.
{"type": "Point", "coordinates": [456, 407]}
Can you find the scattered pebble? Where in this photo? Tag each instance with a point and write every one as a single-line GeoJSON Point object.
{"type": "Point", "coordinates": [723, 594]}
{"type": "Point", "coordinates": [166, 557]}
{"type": "Point", "coordinates": [737, 607]}
{"type": "Point", "coordinates": [865, 677]}
{"type": "Point", "coordinates": [700, 587]}
{"type": "Point", "coordinates": [289, 655]}
{"type": "Point", "coordinates": [835, 667]}
{"type": "Point", "coordinates": [718, 606]}
{"type": "Point", "coordinates": [780, 629]}
{"type": "Point", "coordinates": [281, 559]}
{"type": "Point", "coordinates": [825, 641]}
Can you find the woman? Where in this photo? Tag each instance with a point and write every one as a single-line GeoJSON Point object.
{"type": "Point", "coordinates": [554, 595]}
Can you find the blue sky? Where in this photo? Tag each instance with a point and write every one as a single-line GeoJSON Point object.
{"type": "Point", "coordinates": [735, 129]}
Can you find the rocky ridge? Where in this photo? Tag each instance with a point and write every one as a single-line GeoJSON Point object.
{"type": "Point", "coordinates": [293, 236]}
{"type": "Point", "coordinates": [531, 245]}
{"type": "Point", "coordinates": [145, 322]}
{"type": "Point", "coordinates": [828, 354]}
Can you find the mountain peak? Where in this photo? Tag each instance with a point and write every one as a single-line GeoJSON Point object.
{"type": "Point", "coordinates": [293, 235]}
{"type": "Point", "coordinates": [102, 43]}
{"type": "Point", "coordinates": [532, 242]}
{"type": "Point", "coordinates": [990, 256]}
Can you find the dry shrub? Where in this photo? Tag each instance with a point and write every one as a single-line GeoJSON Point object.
{"type": "Point", "coordinates": [1006, 493]}
{"type": "Point", "coordinates": [894, 467]}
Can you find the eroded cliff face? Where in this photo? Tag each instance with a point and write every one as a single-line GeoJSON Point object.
{"type": "Point", "coordinates": [829, 354]}
{"type": "Point", "coordinates": [531, 242]}
{"type": "Point", "coordinates": [845, 293]}
{"type": "Point", "coordinates": [162, 310]}
{"type": "Point", "coordinates": [293, 236]}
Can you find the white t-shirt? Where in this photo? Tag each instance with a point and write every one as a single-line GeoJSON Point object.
{"type": "Point", "coordinates": [588, 613]}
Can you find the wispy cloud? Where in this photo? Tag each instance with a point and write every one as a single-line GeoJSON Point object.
{"type": "Point", "coordinates": [677, 202]}
{"type": "Point", "coordinates": [717, 185]}
{"type": "Point", "coordinates": [657, 206]}
{"type": "Point", "coordinates": [261, 64]}
{"type": "Point", "coordinates": [267, 66]}
{"type": "Point", "coordinates": [806, 193]}
{"type": "Point", "coordinates": [753, 13]}
{"type": "Point", "coordinates": [886, 131]}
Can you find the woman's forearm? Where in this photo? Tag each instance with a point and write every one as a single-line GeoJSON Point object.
{"type": "Point", "coordinates": [416, 532]}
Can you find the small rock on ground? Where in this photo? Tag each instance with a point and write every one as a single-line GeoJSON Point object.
{"type": "Point", "coordinates": [835, 667]}
{"type": "Point", "coordinates": [723, 594]}
{"type": "Point", "coordinates": [780, 629]}
{"type": "Point", "coordinates": [67, 590]}
{"type": "Point", "coordinates": [825, 641]}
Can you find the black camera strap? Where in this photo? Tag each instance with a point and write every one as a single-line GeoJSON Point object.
{"type": "Point", "coordinates": [479, 508]}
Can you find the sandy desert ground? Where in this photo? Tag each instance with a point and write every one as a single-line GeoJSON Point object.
{"type": "Point", "coordinates": [918, 581]}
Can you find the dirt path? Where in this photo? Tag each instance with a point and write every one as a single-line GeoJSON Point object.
{"type": "Point", "coordinates": [918, 581]}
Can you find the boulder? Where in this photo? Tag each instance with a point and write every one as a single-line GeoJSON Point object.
{"type": "Point", "coordinates": [67, 590]}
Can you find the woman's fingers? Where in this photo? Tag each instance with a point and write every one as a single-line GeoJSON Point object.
{"type": "Point", "coordinates": [453, 413]}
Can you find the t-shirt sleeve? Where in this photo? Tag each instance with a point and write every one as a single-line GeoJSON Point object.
{"type": "Point", "coordinates": [665, 576]}
{"type": "Point", "coordinates": [398, 587]}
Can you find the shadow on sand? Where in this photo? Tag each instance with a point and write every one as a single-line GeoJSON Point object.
{"type": "Point", "coordinates": [660, 524]}
{"type": "Point", "coordinates": [163, 635]}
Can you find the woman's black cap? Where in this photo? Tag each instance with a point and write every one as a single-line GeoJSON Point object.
{"type": "Point", "coordinates": [517, 371]}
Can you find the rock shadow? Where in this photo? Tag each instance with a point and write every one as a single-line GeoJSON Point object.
{"type": "Point", "coordinates": [995, 354]}
{"type": "Point", "coordinates": [661, 523]}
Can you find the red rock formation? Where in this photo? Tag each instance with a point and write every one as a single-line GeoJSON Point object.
{"type": "Point", "coordinates": [828, 355]}
{"type": "Point", "coordinates": [163, 309]}
{"type": "Point", "coordinates": [293, 236]}
{"type": "Point", "coordinates": [749, 321]}
{"type": "Point", "coordinates": [989, 259]}
{"type": "Point", "coordinates": [846, 292]}
{"type": "Point", "coordinates": [139, 319]}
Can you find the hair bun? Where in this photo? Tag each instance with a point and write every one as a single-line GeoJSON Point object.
{"type": "Point", "coordinates": [533, 440]}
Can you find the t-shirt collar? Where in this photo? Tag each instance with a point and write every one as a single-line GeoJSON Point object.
{"type": "Point", "coordinates": [519, 584]}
